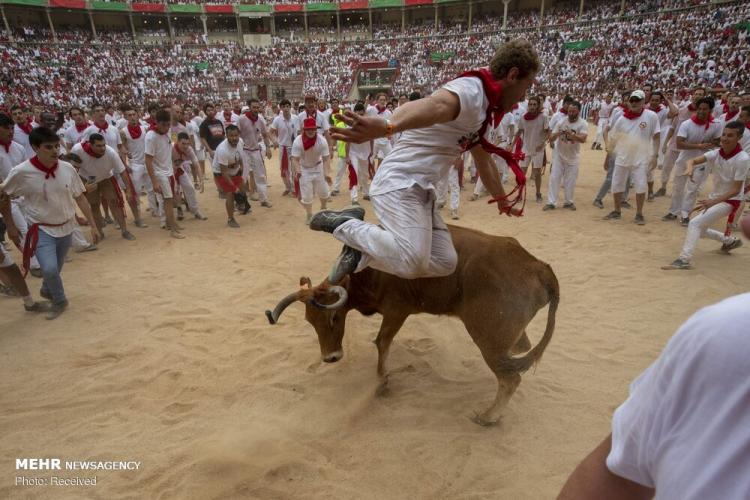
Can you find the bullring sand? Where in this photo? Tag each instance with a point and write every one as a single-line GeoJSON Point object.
{"type": "Point", "coordinates": [165, 357]}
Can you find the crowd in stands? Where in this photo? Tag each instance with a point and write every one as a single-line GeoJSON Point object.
{"type": "Point", "coordinates": [672, 49]}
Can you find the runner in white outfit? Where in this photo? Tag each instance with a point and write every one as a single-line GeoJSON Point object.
{"type": "Point", "coordinates": [311, 164]}
{"type": "Point", "coordinates": [134, 147]}
{"type": "Point", "coordinates": [568, 135]}
{"type": "Point", "coordinates": [533, 129]}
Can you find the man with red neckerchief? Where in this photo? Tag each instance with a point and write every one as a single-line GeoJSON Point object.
{"type": "Point", "coordinates": [22, 130]}
{"type": "Point", "coordinates": [744, 117]}
{"type": "Point", "coordinates": [311, 166]}
{"type": "Point", "coordinates": [634, 139]}
{"type": "Point", "coordinates": [187, 172]}
{"type": "Point", "coordinates": [158, 153]}
{"type": "Point", "coordinates": [382, 145]}
{"type": "Point", "coordinates": [696, 135]}
{"type": "Point", "coordinates": [665, 111]}
{"type": "Point", "coordinates": [533, 127]}
{"type": "Point", "coordinates": [74, 133]}
{"type": "Point", "coordinates": [102, 127]}
{"type": "Point", "coordinates": [134, 147]}
{"type": "Point", "coordinates": [730, 166]}
{"type": "Point", "coordinates": [732, 109]}
{"type": "Point", "coordinates": [412, 241]}
{"type": "Point", "coordinates": [253, 131]}
{"type": "Point", "coordinates": [97, 165]}
{"type": "Point", "coordinates": [51, 189]}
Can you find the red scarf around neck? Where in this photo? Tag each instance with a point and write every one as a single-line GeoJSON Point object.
{"type": "Point", "coordinates": [26, 128]}
{"type": "Point", "coordinates": [308, 142]}
{"type": "Point", "coordinates": [135, 131]}
{"type": "Point", "coordinates": [692, 107]}
{"type": "Point", "coordinates": [227, 116]}
{"type": "Point", "coordinates": [102, 128]}
{"type": "Point", "coordinates": [493, 90]}
{"type": "Point", "coordinates": [531, 116]}
{"type": "Point", "coordinates": [563, 111]}
{"type": "Point", "coordinates": [706, 123]}
{"type": "Point", "coordinates": [89, 151]}
{"type": "Point", "coordinates": [250, 117]}
{"type": "Point", "coordinates": [657, 110]}
{"type": "Point", "coordinates": [735, 151]}
{"type": "Point", "coordinates": [48, 171]}
{"type": "Point", "coordinates": [380, 110]}
{"type": "Point", "coordinates": [156, 129]}
{"type": "Point", "coordinates": [630, 115]}
{"type": "Point", "coordinates": [732, 115]}
{"type": "Point", "coordinates": [314, 114]}
{"type": "Point", "coordinates": [83, 126]}
{"type": "Point", "coordinates": [6, 145]}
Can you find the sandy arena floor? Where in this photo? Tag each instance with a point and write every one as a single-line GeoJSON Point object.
{"type": "Point", "coordinates": [165, 357]}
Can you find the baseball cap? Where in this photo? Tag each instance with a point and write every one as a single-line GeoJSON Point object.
{"type": "Point", "coordinates": [309, 123]}
{"type": "Point", "coordinates": [638, 94]}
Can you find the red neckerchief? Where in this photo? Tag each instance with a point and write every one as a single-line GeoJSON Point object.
{"type": "Point", "coordinates": [313, 115]}
{"type": "Point", "coordinates": [380, 110]}
{"type": "Point", "coordinates": [26, 127]}
{"type": "Point", "coordinates": [657, 110]}
{"type": "Point", "coordinates": [102, 128]}
{"type": "Point", "coordinates": [735, 151]}
{"type": "Point", "coordinates": [49, 172]}
{"type": "Point", "coordinates": [707, 122]}
{"type": "Point", "coordinates": [155, 129]}
{"type": "Point", "coordinates": [732, 115]}
{"type": "Point", "coordinates": [135, 131]}
{"type": "Point", "coordinates": [6, 145]}
{"type": "Point", "coordinates": [531, 116]}
{"type": "Point", "coordinates": [692, 107]}
{"type": "Point", "coordinates": [227, 116]}
{"type": "Point", "coordinates": [630, 115]}
{"type": "Point", "coordinates": [87, 147]}
{"type": "Point", "coordinates": [82, 127]}
{"type": "Point", "coordinates": [179, 153]}
{"type": "Point", "coordinates": [308, 142]}
{"type": "Point", "coordinates": [493, 90]}
{"type": "Point", "coordinates": [250, 117]}
{"type": "Point", "coordinates": [151, 121]}
{"type": "Point", "coordinates": [563, 111]}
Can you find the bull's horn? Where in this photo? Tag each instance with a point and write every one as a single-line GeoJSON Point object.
{"type": "Point", "coordinates": [273, 317]}
{"type": "Point", "coordinates": [338, 290]}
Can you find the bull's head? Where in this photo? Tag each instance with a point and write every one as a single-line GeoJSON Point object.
{"type": "Point", "coordinates": [324, 310]}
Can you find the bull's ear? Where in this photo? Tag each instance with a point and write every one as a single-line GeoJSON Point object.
{"type": "Point", "coordinates": [305, 282]}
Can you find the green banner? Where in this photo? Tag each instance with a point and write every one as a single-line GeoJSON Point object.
{"type": "Point", "coordinates": [580, 45]}
{"type": "Point", "coordinates": [254, 8]}
{"type": "Point", "coordinates": [191, 8]}
{"type": "Point", "coordinates": [202, 66]}
{"type": "Point", "coordinates": [441, 56]}
{"type": "Point", "coordinates": [321, 7]}
{"type": "Point", "coordinates": [379, 4]}
{"type": "Point", "coordinates": [118, 6]}
{"type": "Point", "coordinates": [745, 26]}
{"type": "Point", "coordinates": [35, 3]}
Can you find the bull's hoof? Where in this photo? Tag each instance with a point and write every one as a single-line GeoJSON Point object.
{"type": "Point", "coordinates": [479, 420]}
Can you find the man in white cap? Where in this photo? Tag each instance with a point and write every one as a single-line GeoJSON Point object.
{"type": "Point", "coordinates": [634, 138]}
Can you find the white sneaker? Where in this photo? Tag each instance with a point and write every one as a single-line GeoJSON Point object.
{"type": "Point", "coordinates": [454, 214]}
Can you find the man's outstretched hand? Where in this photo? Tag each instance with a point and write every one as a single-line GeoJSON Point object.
{"type": "Point", "coordinates": [362, 128]}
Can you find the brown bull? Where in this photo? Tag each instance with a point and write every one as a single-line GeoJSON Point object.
{"type": "Point", "coordinates": [496, 290]}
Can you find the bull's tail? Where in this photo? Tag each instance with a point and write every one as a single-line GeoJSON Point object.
{"type": "Point", "coordinates": [522, 364]}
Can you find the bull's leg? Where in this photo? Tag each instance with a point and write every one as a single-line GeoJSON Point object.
{"type": "Point", "coordinates": [388, 329]}
{"type": "Point", "coordinates": [506, 386]}
{"type": "Point", "coordinates": [523, 345]}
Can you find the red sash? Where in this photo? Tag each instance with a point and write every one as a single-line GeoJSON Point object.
{"type": "Point", "coordinates": [352, 176]}
{"type": "Point", "coordinates": [30, 243]}
{"type": "Point", "coordinates": [733, 214]}
{"type": "Point", "coordinates": [493, 90]}
{"type": "Point", "coordinates": [284, 163]}
{"type": "Point", "coordinates": [297, 190]}
{"type": "Point", "coordinates": [118, 192]}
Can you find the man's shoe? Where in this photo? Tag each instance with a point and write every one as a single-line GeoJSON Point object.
{"type": "Point", "coordinates": [36, 272]}
{"type": "Point", "coordinates": [199, 215]}
{"type": "Point", "coordinates": [454, 214]}
{"type": "Point", "coordinates": [651, 197]}
{"type": "Point", "coordinates": [355, 203]}
{"type": "Point", "coordinates": [366, 197]}
{"type": "Point", "coordinates": [254, 197]}
{"type": "Point", "coordinates": [660, 192]}
{"type": "Point", "coordinates": [598, 204]}
{"type": "Point", "coordinates": [232, 223]}
{"type": "Point", "coordinates": [678, 264]}
{"type": "Point", "coordinates": [44, 294]}
{"type": "Point", "coordinates": [548, 206]}
{"type": "Point", "coordinates": [613, 215]}
{"type": "Point", "coordinates": [639, 220]}
{"type": "Point", "coordinates": [570, 206]}
{"type": "Point", "coordinates": [286, 192]}
{"type": "Point", "coordinates": [345, 264]}
{"type": "Point", "coordinates": [180, 215]}
{"type": "Point", "coordinates": [329, 220]}
{"type": "Point", "coordinates": [625, 204]}
{"type": "Point", "coordinates": [266, 204]}
{"type": "Point", "coordinates": [56, 310]}
{"type": "Point", "coordinates": [109, 220]}
{"type": "Point", "coordinates": [88, 248]}
{"type": "Point", "coordinates": [726, 248]}
{"type": "Point", "coordinates": [335, 192]}
{"type": "Point", "coordinates": [669, 218]}
{"type": "Point", "coordinates": [598, 147]}
{"type": "Point", "coordinates": [43, 306]}
{"type": "Point", "coordinates": [474, 197]}
{"type": "Point", "coordinates": [685, 221]}
{"type": "Point", "coordinates": [8, 291]}
{"type": "Point", "coordinates": [140, 223]}
{"type": "Point", "coordinates": [176, 234]}
{"type": "Point", "coordinates": [539, 197]}
{"type": "Point", "coordinates": [441, 206]}
{"type": "Point", "coordinates": [128, 235]}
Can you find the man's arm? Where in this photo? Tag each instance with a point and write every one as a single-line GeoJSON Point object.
{"type": "Point", "coordinates": [682, 143]}
{"type": "Point", "coordinates": [655, 150]}
{"type": "Point", "coordinates": [83, 204]}
{"type": "Point", "coordinates": [5, 210]}
{"type": "Point", "coordinates": [152, 176]}
{"type": "Point", "coordinates": [669, 138]}
{"type": "Point", "coordinates": [123, 149]}
{"type": "Point", "coordinates": [488, 173]}
{"type": "Point", "coordinates": [327, 168]}
{"type": "Point", "coordinates": [442, 106]}
{"type": "Point", "coordinates": [592, 480]}
{"type": "Point", "coordinates": [673, 110]}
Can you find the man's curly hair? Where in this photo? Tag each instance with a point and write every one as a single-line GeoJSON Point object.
{"type": "Point", "coordinates": [517, 53]}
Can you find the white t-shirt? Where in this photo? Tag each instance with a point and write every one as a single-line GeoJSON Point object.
{"type": "Point", "coordinates": [694, 134]}
{"type": "Point", "coordinates": [111, 135]}
{"type": "Point", "coordinates": [22, 138]}
{"type": "Point", "coordinates": [320, 121]}
{"type": "Point", "coordinates": [502, 134]}
{"type": "Point", "coordinates": [360, 151]}
{"type": "Point", "coordinates": [727, 172]}
{"type": "Point", "coordinates": [192, 128]}
{"type": "Point", "coordinates": [159, 146]}
{"type": "Point", "coordinates": [685, 429]}
{"type": "Point", "coordinates": [568, 151]}
{"type": "Point", "coordinates": [386, 115]}
{"type": "Point", "coordinates": [605, 110]}
{"type": "Point", "coordinates": [228, 156]}
{"type": "Point", "coordinates": [533, 133]}
{"type": "Point", "coordinates": [635, 138]}
{"type": "Point", "coordinates": [47, 201]}
{"type": "Point", "coordinates": [286, 130]}
{"type": "Point", "coordinates": [73, 136]}
{"type": "Point", "coordinates": [136, 147]}
{"type": "Point", "coordinates": [311, 160]}
{"type": "Point", "coordinates": [557, 117]}
{"type": "Point", "coordinates": [95, 169]}
{"type": "Point", "coordinates": [424, 156]}
{"type": "Point", "coordinates": [617, 112]}
{"type": "Point", "coordinates": [745, 140]}
{"type": "Point", "coordinates": [15, 155]}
